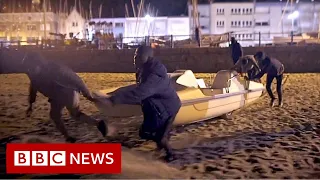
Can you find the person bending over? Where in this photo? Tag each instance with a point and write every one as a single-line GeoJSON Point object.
{"type": "Point", "coordinates": [247, 64]}
{"type": "Point", "coordinates": [63, 87]}
{"type": "Point", "coordinates": [274, 69]}
{"type": "Point", "coordinates": [159, 100]}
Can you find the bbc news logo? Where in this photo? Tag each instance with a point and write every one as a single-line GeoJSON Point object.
{"type": "Point", "coordinates": [63, 158]}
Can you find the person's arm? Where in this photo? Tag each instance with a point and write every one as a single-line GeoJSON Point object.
{"type": "Point", "coordinates": [261, 73]}
{"type": "Point", "coordinates": [65, 77]}
{"type": "Point", "coordinates": [144, 90]}
{"type": "Point", "coordinates": [254, 63]}
{"type": "Point", "coordinates": [237, 66]}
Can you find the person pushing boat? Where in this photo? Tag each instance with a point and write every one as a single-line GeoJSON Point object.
{"type": "Point", "coordinates": [274, 69]}
{"type": "Point", "coordinates": [247, 64]}
{"type": "Point", "coordinates": [159, 101]}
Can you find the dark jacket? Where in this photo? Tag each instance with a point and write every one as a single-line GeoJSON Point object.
{"type": "Point", "coordinates": [53, 80]}
{"type": "Point", "coordinates": [271, 66]}
{"type": "Point", "coordinates": [155, 92]}
{"type": "Point", "coordinates": [236, 51]}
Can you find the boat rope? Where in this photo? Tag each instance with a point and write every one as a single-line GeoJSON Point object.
{"type": "Point", "coordinates": [263, 95]}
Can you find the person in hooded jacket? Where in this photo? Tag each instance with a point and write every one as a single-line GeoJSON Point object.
{"type": "Point", "coordinates": [63, 87]}
{"type": "Point", "coordinates": [274, 69]}
{"type": "Point", "coordinates": [236, 50]}
{"type": "Point", "coordinates": [158, 98]}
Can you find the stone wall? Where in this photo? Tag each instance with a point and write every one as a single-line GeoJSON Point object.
{"type": "Point", "coordinates": [297, 59]}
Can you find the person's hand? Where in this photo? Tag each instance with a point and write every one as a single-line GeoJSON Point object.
{"type": "Point", "coordinates": [29, 111]}
{"type": "Point", "coordinates": [105, 101]}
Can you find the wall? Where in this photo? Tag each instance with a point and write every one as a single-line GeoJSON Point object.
{"type": "Point", "coordinates": [296, 59]}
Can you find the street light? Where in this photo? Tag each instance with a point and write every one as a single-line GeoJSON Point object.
{"type": "Point", "coordinates": [149, 18]}
{"type": "Point", "coordinates": [293, 15]}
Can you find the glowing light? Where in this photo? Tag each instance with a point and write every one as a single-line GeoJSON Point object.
{"type": "Point", "coordinates": [293, 15]}
{"type": "Point", "coordinates": [149, 18]}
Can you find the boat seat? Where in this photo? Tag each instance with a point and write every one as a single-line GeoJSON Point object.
{"type": "Point", "coordinates": [222, 79]}
{"type": "Point", "coordinates": [201, 83]}
{"type": "Point", "coordinates": [187, 79]}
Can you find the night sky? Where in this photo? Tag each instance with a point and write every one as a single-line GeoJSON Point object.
{"type": "Point", "coordinates": [116, 8]}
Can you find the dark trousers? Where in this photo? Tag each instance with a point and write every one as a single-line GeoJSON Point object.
{"type": "Point", "coordinates": [71, 100]}
{"type": "Point", "coordinates": [235, 59]}
{"type": "Point", "coordinates": [161, 136]}
{"type": "Point", "coordinates": [279, 86]}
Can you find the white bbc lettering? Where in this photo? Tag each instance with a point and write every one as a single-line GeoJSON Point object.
{"type": "Point", "coordinates": [97, 158]}
{"type": "Point", "coordinates": [22, 158]}
{"type": "Point", "coordinates": [110, 158]}
{"type": "Point", "coordinates": [85, 158]}
{"type": "Point", "coordinates": [57, 158]}
{"type": "Point", "coordinates": [73, 158]}
{"type": "Point", "coordinates": [39, 158]}
{"type": "Point", "coordinates": [91, 158]}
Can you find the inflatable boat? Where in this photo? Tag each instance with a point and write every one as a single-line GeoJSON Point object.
{"type": "Point", "coordinates": [227, 93]}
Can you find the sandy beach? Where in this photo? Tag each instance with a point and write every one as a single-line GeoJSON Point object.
{"type": "Point", "coordinates": [260, 142]}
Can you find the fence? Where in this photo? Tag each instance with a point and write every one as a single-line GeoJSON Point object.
{"type": "Point", "coordinates": [175, 41]}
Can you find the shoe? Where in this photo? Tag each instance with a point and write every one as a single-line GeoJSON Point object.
{"type": "Point", "coordinates": [280, 104]}
{"type": "Point", "coordinates": [102, 128]}
{"type": "Point", "coordinates": [71, 139]}
{"type": "Point", "coordinates": [169, 157]}
{"type": "Point", "coordinates": [272, 103]}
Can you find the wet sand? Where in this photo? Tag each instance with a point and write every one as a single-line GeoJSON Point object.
{"type": "Point", "coordinates": [260, 142]}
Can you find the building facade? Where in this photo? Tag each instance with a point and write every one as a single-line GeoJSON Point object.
{"type": "Point", "coordinates": [74, 25]}
{"type": "Point", "coordinates": [27, 26]}
{"type": "Point", "coordinates": [132, 29]}
{"type": "Point", "coordinates": [251, 21]}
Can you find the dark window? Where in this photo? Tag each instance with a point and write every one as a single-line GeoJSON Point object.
{"type": "Point", "coordinates": [119, 24]}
